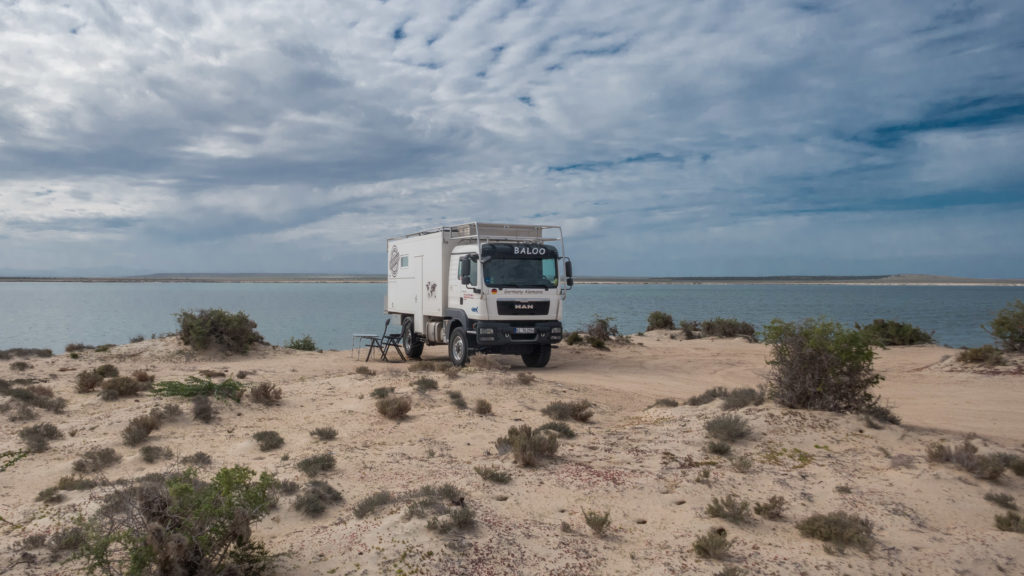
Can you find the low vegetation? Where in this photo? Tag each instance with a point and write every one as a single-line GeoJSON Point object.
{"type": "Point", "coordinates": [597, 521]}
{"type": "Point", "coordinates": [37, 437]}
{"type": "Point", "coordinates": [966, 457]}
{"type": "Point", "coordinates": [714, 544]}
{"type": "Point", "coordinates": [742, 397]}
{"type": "Point", "coordinates": [706, 397]}
{"type": "Point", "coordinates": [25, 353]}
{"type": "Point", "coordinates": [120, 387]}
{"type": "Point", "coordinates": [660, 321]}
{"type": "Point", "coordinates": [365, 371]}
{"type": "Point", "coordinates": [152, 454]}
{"type": "Point", "coordinates": [371, 503]}
{"type": "Point", "coordinates": [268, 440]}
{"type": "Point", "coordinates": [139, 428]}
{"type": "Point", "coordinates": [316, 464]}
{"type": "Point", "coordinates": [892, 333]}
{"type": "Point", "coordinates": [95, 460]}
{"type": "Point", "coordinates": [19, 366]}
{"type": "Point", "coordinates": [728, 427]}
{"type": "Point", "coordinates": [728, 328]}
{"type": "Point", "coordinates": [560, 428]}
{"type": "Point", "coordinates": [202, 409]}
{"type": "Point", "coordinates": [1008, 327]}
{"type": "Point", "coordinates": [718, 448]}
{"type": "Point", "coordinates": [266, 394]}
{"type": "Point", "coordinates": [324, 433]}
{"type": "Point", "coordinates": [201, 459]}
{"type": "Point", "coordinates": [316, 497]}
{"type": "Point", "coordinates": [1002, 499]}
{"type": "Point", "coordinates": [840, 530]}
{"type": "Point", "coordinates": [482, 407]}
{"type": "Point", "coordinates": [579, 410]}
{"type": "Point", "coordinates": [493, 474]}
{"type": "Point", "coordinates": [214, 327]}
{"type": "Point", "coordinates": [87, 380]}
{"type": "Point", "coordinates": [730, 508]}
{"type": "Point", "coordinates": [527, 445]}
{"type": "Point", "coordinates": [773, 509]}
{"type": "Point", "coordinates": [666, 402]}
{"type": "Point", "coordinates": [195, 386]}
{"type": "Point", "coordinates": [33, 395]}
{"type": "Point", "coordinates": [1010, 522]}
{"type": "Point", "coordinates": [305, 343]}
{"type": "Point", "coordinates": [382, 391]}
{"type": "Point", "coordinates": [457, 399]}
{"type": "Point", "coordinates": [988, 355]}
{"type": "Point", "coordinates": [422, 384]}
{"type": "Point", "coordinates": [394, 407]}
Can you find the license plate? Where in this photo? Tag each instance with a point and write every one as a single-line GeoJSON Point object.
{"type": "Point", "coordinates": [525, 330]}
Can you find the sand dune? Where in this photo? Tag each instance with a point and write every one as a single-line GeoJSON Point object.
{"type": "Point", "coordinates": [632, 460]}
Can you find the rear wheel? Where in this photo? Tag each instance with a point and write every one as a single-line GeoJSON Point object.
{"type": "Point", "coordinates": [458, 347]}
{"type": "Point", "coordinates": [538, 358]}
{"type": "Point", "coordinates": [411, 344]}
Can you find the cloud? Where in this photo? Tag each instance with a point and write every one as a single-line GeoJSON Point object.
{"type": "Point", "coordinates": [670, 137]}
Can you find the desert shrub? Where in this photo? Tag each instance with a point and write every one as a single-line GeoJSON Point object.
{"type": "Point", "coordinates": [104, 347]}
{"type": "Point", "coordinates": [34, 395]}
{"type": "Point", "coordinates": [139, 429]}
{"type": "Point", "coordinates": [151, 454]}
{"type": "Point", "coordinates": [729, 508]}
{"type": "Point", "coordinates": [839, 529]}
{"type": "Point", "coordinates": [316, 464]}
{"type": "Point", "coordinates": [820, 365]}
{"type": "Point", "coordinates": [37, 437]}
{"type": "Point", "coordinates": [394, 407]}
{"type": "Point", "coordinates": [76, 483]}
{"type": "Point", "coordinates": [120, 387]}
{"type": "Point", "coordinates": [459, 518]}
{"type": "Point", "coordinates": [578, 410]}
{"type": "Point", "coordinates": [25, 353]}
{"type": "Point", "coordinates": [485, 362]}
{"type": "Point", "coordinates": [727, 427]}
{"type": "Point", "coordinates": [19, 366]}
{"type": "Point", "coordinates": [714, 544]}
{"type": "Point", "coordinates": [423, 384]}
{"type": "Point", "coordinates": [193, 386]}
{"type": "Point", "coordinates": [728, 328]}
{"type": "Point", "coordinates": [382, 392]}
{"type": "Point", "coordinates": [456, 397]}
{"type": "Point", "coordinates": [50, 495]}
{"type": "Point", "coordinates": [365, 371]}
{"type": "Point", "coordinates": [741, 397]}
{"type": "Point", "coordinates": [743, 464]}
{"type": "Point", "coordinates": [77, 347]}
{"type": "Point", "coordinates": [1001, 499]}
{"type": "Point", "coordinates": [666, 402]}
{"type": "Point", "coordinates": [527, 445]}
{"type": "Point", "coordinates": [428, 366]}
{"type": "Point", "coordinates": [1010, 522]}
{"type": "Point", "coordinates": [201, 459]}
{"type": "Point", "coordinates": [878, 412]}
{"type": "Point", "coordinates": [305, 343]}
{"type": "Point", "coordinates": [316, 497]}
{"type": "Point", "coordinates": [268, 440]}
{"type": "Point", "coordinates": [212, 373]}
{"type": "Point", "coordinates": [33, 541]}
{"type": "Point", "coordinates": [707, 396]}
{"type": "Point", "coordinates": [1008, 327]}
{"type": "Point", "coordinates": [368, 505]}
{"type": "Point", "coordinates": [143, 377]}
{"type": "Point", "coordinates": [202, 409]}
{"type": "Point", "coordinates": [1012, 461]}
{"type": "Point", "coordinates": [660, 321]}
{"type": "Point", "coordinates": [95, 459]}
{"type": "Point", "coordinates": [87, 381]}
{"type": "Point", "coordinates": [493, 474]}
{"type": "Point", "coordinates": [18, 411]}
{"type": "Point", "coordinates": [988, 355]}
{"type": "Point", "coordinates": [525, 378]}
{"type": "Point", "coordinates": [892, 333]}
{"type": "Point", "coordinates": [843, 489]}
{"type": "Point", "coordinates": [718, 447]}
{"type": "Point", "coordinates": [107, 371]}
{"type": "Point", "coordinates": [560, 428]}
{"type": "Point", "coordinates": [573, 338]}
{"type": "Point", "coordinates": [168, 411]}
{"type": "Point", "coordinates": [602, 329]}
{"type": "Point", "coordinates": [265, 393]}
{"type": "Point", "coordinates": [214, 327]}
{"type": "Point", "coordinates": [324, 433]}
{"type": "Point", "coordinates": [453, 372]}
{"type": "Point", "coordinates": [136, 339]}
{"type": "Point", "coordinates": [483, 407]}
{"type": "Point", "coordinates": [965, 456]}
{"type": "Point", "coordinates": [597, 521]}
{"type": "Point", "coordinates": [179, 524]}
{"type": "Point", "coordinates": [773, 509]}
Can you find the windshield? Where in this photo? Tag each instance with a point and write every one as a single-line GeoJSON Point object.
{"type": "Point", "coordinates": [521, 273]}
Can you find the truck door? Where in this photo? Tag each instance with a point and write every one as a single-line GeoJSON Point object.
{"type": "Point", "coordinates": [417, 267]}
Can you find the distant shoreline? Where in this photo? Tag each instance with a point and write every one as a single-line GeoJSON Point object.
{"type": "Point", "coordinates": [895, 280]}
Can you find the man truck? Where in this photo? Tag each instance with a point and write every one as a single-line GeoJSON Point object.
{"type": "Point", "coordinates": [480, 288]}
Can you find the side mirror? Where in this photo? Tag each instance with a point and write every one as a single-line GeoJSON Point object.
{"type": "Point", "coordinates": [464, 264]}
{"type": "Point", "coordinates": [568, 282]}
{"type": "Point", "coordinates": [568, 270]}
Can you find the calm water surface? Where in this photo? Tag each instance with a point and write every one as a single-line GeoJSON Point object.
{"type": "Point", "coordinates": [51, 315]}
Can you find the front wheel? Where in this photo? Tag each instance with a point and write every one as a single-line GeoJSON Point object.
{"type": "Point", "coordinates": [458, 347]}
{"type": "Point", "coordinates": [538, 358]}
{"type": "Point", "coordinates": [412, 345]}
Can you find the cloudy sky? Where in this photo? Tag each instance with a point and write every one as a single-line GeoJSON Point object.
{"type": "Point", "coordinates": [668, 137]}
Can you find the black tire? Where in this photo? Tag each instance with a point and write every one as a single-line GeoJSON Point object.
{"type": "Point", "coordinates": [538, 358]}
{"type": "Point", "coordinates": [411, 344]}
{"type": "Point", "coordinates": [458, 347]}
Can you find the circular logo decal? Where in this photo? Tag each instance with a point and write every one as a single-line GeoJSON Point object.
{"type": "Point", "coordinates": [393, 261]}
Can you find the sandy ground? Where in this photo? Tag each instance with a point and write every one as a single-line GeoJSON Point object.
{"type": "Point", "coordinates": [640, 463]}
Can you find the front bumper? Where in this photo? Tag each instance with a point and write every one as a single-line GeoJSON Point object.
{"type": "Point", "coordinates": [503, 333]}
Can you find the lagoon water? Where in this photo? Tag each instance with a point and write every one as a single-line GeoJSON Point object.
{"type": "Point", "coordinates": [53, 314]}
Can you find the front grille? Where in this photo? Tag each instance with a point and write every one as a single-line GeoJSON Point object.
{"type": "Point", "coordinates": [523, 307]}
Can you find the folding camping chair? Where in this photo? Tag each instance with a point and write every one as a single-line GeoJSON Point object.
{"type": "Point", "coordinates": [384, 343]}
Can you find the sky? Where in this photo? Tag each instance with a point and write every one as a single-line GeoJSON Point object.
{"type": "Point", "coordinates": [666, 137]}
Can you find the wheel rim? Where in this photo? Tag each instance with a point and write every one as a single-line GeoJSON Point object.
{"type": "Point", "coordinates": [458, 349]}
{"type": "Point", "coordinates": [407, 338]}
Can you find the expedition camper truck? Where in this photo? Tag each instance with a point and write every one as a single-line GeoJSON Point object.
{"type": "Point", "coordinates": [480, 288]}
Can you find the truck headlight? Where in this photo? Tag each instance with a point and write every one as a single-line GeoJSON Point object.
{"type": "Point", "coordinates": [556, 330]}
{"type": "Point", "coordinates": [486, 331]}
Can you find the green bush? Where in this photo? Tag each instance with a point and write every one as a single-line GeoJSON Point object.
{"type": "Point", "coordinates": [988, 355]}
{"type": "Point", "coordinates": [819, 365]}
{"type": "Point", "coordinates": [305, 343]}
{"type": "Point", "coordinates": [892, 333]}
{"type": "Point", "coordinates": [214, 327]}
{"type": "Point", "coordinates": [597, 521]}
{"type": "Point", "coordinates": [193, 386]}
{"type": "Point", "coordinates": [107, 371]}
{"type": "Point", "coordinates": [179, 524]}
{"type": "Point", "coordinates": [573, 338]}
{"type": "Point", "coordinates": [1008, 327]}
{"type": "Point", "coordinates": [602, 330]}
{"type": "Point", "coordinates": [728, 328]}
{"type": "Point", "coordinates": [839, 529]}
{"type": "Point", "coordinates": [660, 321]}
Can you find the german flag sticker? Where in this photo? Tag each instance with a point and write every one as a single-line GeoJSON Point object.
{"type": "Point", "coordinates": [494, 290]}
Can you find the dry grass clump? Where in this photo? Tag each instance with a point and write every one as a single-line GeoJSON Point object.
{"type": "Point", "coordinates": [714, 544]}
{"type": "Point", "coordinates": [560, 428]}
{"type": "Point", "coordinates": [316, 497]}
{"type": "Point", "coordinates": [268, 440]}
{"type": "Point", "coordinates": [121, 386]}
{"type": "Point", "coordinates": [839, 529]}
{"type": "Point", "coordinates": [200, 459]}
{"type": "Point", "coordinates": [50, 495]}
{"type": "Point", "coordinates": [708, 396]}
{"type": "Point", "coordinates": [394, 407]}
{"type": "Point", "coordinates": [729, 508]}
{"type": "Point", "coordinates": [212, 373]}
{"type": "Point", "coordinates": [77, 347]}
{"type": "Point", "coordinates": [718, 448]}
{"type": "Point", "coordinates": [742, 397]}
{"type": "Point", "coordinates": [527, 445]}
{"type": "Point", "coordinates": [453, 372]}
{"type": "Point", "coordinates": [368, 505]}
{"type": "Point", "coordinates": [25, 353]}
{"type": "Point", "coordinates": [33, 395]}
{"type": "Point", "coordinates": [773, 509]}
{"type": "Point", "coordinates": [151, 454]}
{"type": "Point", "coordinates": [316, 464]}
{"type": "Point", "coordinates": [76, 483]}
{"type": "Point", "coordinates": [96, 459]}
{"type": "Point", "coordinates": [456, 397]}
{"type": "Point", "coordinates": [365, 371]}
{"type": "Point", "coordinates": [107, 371]}
{"type": "Point", "coordinates": [666, 402]}
{"type": "Point", "coordinates": [728, 428]}
{"type": "Point", "coordinates": [965, 456]}
{"type": "Point", "coordinates": [428, 366]}
{"type": "Point", "coordinates": [483, 407]}
{"type": "Point", "coordinates": [1001, 499]}
{"type": "Point", "coordinates": [743, 464]}
{"type": "Point", "coordinates": [578, 410]}
{"type": "Point", "coordinates": [493, 474]}
{"type": "Point", "coordinates": [202, 409]}
{"type": "Point", "coordinates": [598, 522]}
{"type": "Point", "coordinates": [485, 362]}
{"type": "Point", "coordinates": [18, 411]}
{"type": "Point", "coordinates": [87, 381]}
{"type": "Point", "coordinates": [143, 376]}
{"type": "Point", "coordinates": [382, 391]}
{"type": "Point", "coordinates": [446, 507]}
{"type": "Point", "coordinates": [988, 355]}
{"type": "Point", "coordinates": [19, 366]}
{"type": "Point", "coordinates": [1010, 522]}
{"type": "Point", "coordinates": [525, 378]}
{"type": "Point", "coordinates": [324, 433]}
{"type": "Point", "coordinates": [423, 384]}
{"type": "Point", "coordinates": [139, 429]}
{"type": "Point", "coordinates": [37, 437]}
{"type": "Point", "coordinates": [265, 393]}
